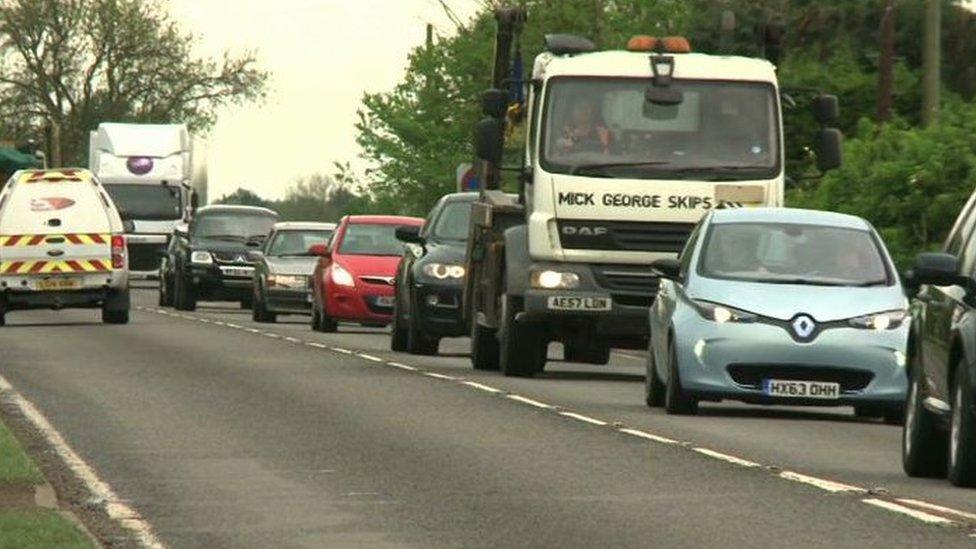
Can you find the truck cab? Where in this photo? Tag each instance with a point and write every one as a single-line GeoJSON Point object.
{"type": "Point", "coordinates": [150, 170]}
{"type": "Point", "coordinates": [625, 152]}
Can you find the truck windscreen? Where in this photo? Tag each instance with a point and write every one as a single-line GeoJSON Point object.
{"type": "Point", "coordinates": [607, 128]}
{"type": "Point", "coordinates": [146, 202]}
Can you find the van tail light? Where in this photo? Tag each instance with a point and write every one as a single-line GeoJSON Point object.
{"type": "Point", "coordinates": [118, 251]}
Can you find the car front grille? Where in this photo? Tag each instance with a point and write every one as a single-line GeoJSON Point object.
{"type": "Point", "coordinates": [752, 375]}
{"type": "Point", "coordinates": [634, 236]}
{"type": "Point", "coordinates": [378, 280]}
{"type": "Point", "coordinates": [237, 258]}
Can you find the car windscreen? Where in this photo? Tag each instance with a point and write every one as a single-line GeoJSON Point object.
{"type": "Point", "coordinates": [296, 242]}
{"type": "Point", "coordinates": [148, 202]}
{"type": "Point", "coordinates": [452, 223]}
{"type": "Point", "coordinates": [788, 253]}
{"type": "Point", "coordinates": [370, 239]}
{"type": "Point", "coordinates": [232, 226]}
{"type": "Point", "coordinates": [607, 128]}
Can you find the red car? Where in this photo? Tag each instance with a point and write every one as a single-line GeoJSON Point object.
{"type": "Point", "coordinates": [354, 278]}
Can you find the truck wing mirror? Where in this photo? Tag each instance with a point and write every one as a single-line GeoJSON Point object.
{"type": "Point", "coordinates": [826, 109]}
{"type": "Point", "coordinates": [194, 200]}
{"type": "Point", "coordinates": [489, 139]}
{"type": "Point", "coordinates": [829, 149]}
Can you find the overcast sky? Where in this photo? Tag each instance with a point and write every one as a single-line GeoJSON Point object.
{"type": "Point", "coordinates": [322, 56]}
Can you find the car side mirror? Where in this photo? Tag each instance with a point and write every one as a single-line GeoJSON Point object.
{"type": "Point", "coordinates": [320, 250]}
{"type": "Point", "coordinates": [938, 269]}
{"type": "Point", "coordinates": [409, 234]}
{"type": "Point", "coordinates": [668, 268]}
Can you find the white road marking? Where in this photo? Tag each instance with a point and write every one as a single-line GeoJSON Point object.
{"type": "Point", "coordinates": [435, 375]}
{"type": "Point", "coordinates": [823, 484]}
{"type": "Point", "coordinates": [341, 350]}
{"type": "Point", "coordinates": [232, 325]}
{"type": "Point", "coordinates": [252, 330]}
{"type": "Point", "coordinates": [581, 417]}
{"type": "Point", "coordinates": [477, 385]}
{"type": "Point", "coordinates": [220, 323]}
{"type": "Point", "coordinates": [529, 401]}
{"type": "Point", "coordinates": [914, 513]}
{"type": "Point", "coordinates": [205, 320]}
{"type": "Point", "coordinates": [293, 339]}
{"type": "Point", "coordinates": [115, 507]}
{"type": "Point", "coordinates": [316, 345]}
{"type": "Point", "coordinates": [401, 366]}
{"type": "Point", "coordinates": [726, 457]}
{"type": "Point", "coordinates": [649, 436]}
{"type": "Point", "coordinates": [271, 335]}
{"type": "Point", "coordinates": [937, 508]}
{"type": "Point", "coordinates": [370, 357]}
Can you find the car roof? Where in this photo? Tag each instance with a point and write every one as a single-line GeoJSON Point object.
{"type": "Point", "coordinates": [789, 215]}
{"type": "Point", "coordinates": [303, 226]}
{"type": "Point", "coordinates": [230, 208]}
{"type": "Point", "coordinates": [384, 220]}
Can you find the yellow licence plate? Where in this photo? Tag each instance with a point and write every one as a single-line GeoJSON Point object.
{"type": "Point", "coordinates": [58, 284]}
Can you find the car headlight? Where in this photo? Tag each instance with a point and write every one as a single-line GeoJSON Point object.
{"type": "Point", "coordinates": [553, 280]}
{"type": "Point", "coordinates": [341, 276]}
{"type": "Point", "coordinates": [887, 320]}
{"type": "Point", "coordinates": [443, 271]}
{"type": "Point", "coordinates": [201, 257]}
{"type": "Point", "coordinates": [721, 313]}
{"type": "Point", "coordinates": [286, 281]}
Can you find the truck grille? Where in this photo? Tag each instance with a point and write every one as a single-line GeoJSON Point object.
{"type": "Point", "coordinates": [635, 236]}
{"type": "Point", "coordinates": [145, 256]}
{"type": "Point", "coordinates": [752, 375]}
{"type": "Point", "coordinates": [626, 278]}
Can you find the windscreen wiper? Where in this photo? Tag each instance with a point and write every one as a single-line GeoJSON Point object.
{"type": "Point", "coordinates": [233, 237]}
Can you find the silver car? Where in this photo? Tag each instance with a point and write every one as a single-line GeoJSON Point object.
{"type": "Point", "coordinates": [284, 268]}
{"type": "Point", "coordinates": [780, 306]}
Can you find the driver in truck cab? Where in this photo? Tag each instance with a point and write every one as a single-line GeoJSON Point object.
{"type": "Point", "coordinates": [584, 131]}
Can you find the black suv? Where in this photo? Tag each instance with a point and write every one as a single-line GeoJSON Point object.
{"type": "Point", "coordinates": [940, 420]}
{"type": "Point", "coordinates": [210, 259]}
{"type": "Point", "coordinates": [430, 279]}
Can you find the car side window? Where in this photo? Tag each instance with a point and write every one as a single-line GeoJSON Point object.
{"type": "Point", "coordinates": [431, 220]}
{"type": "Point", "coordinates": [959, 237]}
{"type": "Point", "coordinates": [689, 250]}
{"type": "Point", "coordinates": [967, 257]}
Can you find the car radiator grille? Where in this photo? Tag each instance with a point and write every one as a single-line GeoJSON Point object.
{"type": "Point", "coordinates": [752, 375]}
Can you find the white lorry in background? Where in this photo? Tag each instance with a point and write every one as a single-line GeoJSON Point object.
{"type": "Point", "coordinates": [156, 174]}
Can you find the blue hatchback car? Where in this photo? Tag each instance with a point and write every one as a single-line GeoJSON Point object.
{"type": "Point", "coordinates": [780, 306]}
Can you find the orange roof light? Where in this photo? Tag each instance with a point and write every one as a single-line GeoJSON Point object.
{"type": "Point", "coordinates": [676, 44]}
{"type": "Point", "coordinates": [642, 43]}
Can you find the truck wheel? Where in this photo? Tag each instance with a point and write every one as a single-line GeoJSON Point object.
{"type": "Point", "coordinates": [676, 401]}
{"type": "Point", "coordinates": [654, 389]}
{"type": "Point", "coordinates": [962, 431]}
{"type": "Point", "coordinates": [419, 343]}
{"type": "Point", "coordinates": [484, 347]}
{"type": "Point", "coordinates": [522, 346]}
{"type": "Point", "coordinates": [184, 298]}
{"type": "Point", "coordinates": [923, 444]}
{"type": "Point", "coordinates": [398, 332]}
{"type": "Point", "coordinates": [586, 355]}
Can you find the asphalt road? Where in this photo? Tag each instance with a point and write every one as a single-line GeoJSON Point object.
{"type": "Point", "coordinates": [226, 433]}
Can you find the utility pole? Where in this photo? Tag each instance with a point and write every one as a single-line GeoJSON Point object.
{"type": "Point", "coordinates": [931, 62]}
{"type": "Point", "coordinates": [886, 64]}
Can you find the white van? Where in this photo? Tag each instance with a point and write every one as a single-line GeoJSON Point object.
{"type": "Point", "coordinates": [62, 245]}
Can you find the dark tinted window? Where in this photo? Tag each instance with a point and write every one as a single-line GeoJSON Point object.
{"type": "Point", "coordinates": [452, 222]}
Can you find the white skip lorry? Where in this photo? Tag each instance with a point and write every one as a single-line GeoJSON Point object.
{"type": "Point", "coordinates": [625, 152]}
{"type": "Point", "coordinates": [156, 175]}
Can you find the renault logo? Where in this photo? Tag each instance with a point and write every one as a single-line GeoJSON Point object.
{"type": "Point", "coordinates": [804, 326]}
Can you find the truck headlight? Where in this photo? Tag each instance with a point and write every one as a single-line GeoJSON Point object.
{"type": "Point", "coordinates": [887, 320]}
{"type": "Point", "coordinates": [201, 258]}
{"type": "Point", "coordinates": [443, 271]}
{"type": "Point", "coordinates": [342, 277]}
{"type": "Point", "coordinates": [555, 280]}
{"type": "Point", "coordinates": [721, 313]}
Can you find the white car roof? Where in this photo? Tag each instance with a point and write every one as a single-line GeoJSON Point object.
{"type": "Point", "coordinates": [697, 66]}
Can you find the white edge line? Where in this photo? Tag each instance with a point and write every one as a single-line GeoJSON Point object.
{"type": "Point", "coordinates": [293, 339]}
{"type": "Point", "coordinates": [371, 358]}
{"type": "Point", "coordinates": [649, 436]}
{"type": "Point", "coordinates": [116, 509]}
{"type": "Point", "coordinates": [435, 375]}
{"type": "Point", "coordinates": [477, 385]}
{"type": "Point", "coordinates": [914, 513]}
{"type": "Point", "coordinates": [823, 484]}
{"type": "Point", "coordinates": [402, 366]}
{"type": "Point", "coordinates": [939, 508]}
{"type": "Point", "coordinates": [529, 401]}
{"type": "Point", "coordinates": [271, 334]}
{"type": "Point", "coordinates": [726, 457]}
{"type": "Point", "coordinates": [316, 345]}
{"type": "Point", "coordinates": [341, 350]}
{"type": "Point", "coordinates": [585, 419]}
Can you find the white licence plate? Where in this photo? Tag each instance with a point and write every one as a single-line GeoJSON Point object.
{"type": "Point", "coordinates": [801, 389]}
{"type": "Point", "coordinates": [237, 271]}
{"type": "Point", "coordinates": [567, 303]}
{"type": "Point", "coordinates": [54, 284]}
{"type": "Point", "coordinates": [385, 301]}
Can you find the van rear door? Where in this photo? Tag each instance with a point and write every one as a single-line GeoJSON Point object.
{"type": "Point", "coordinates": [55, 226]}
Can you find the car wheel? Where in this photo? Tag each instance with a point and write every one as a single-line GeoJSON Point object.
{"type": "Point", "coordinates": [115, 316]}
{"type": "Point", "coordinates": [185, 298]}
{"type": "Point", "coordinates": [259, 310]}
{"type": "Point", "coordinates": [676, 401]}
{"type": "Point", "coordinates": [398, 332]}
{"type": "Point", "coordinates": [165, 293]}
{"type": "Point", "coordinates": [3, 319]}
{"type": "Point", "coordinates": [654, 390]}
{"type": "Point", "coordinates": [923, 444]}
{"type": "Point", "coordinates": [484, 347]}
{"type": "Point", "coordinates": [522, 347]}
{"type": "Point", "coordinates": [419, 343]}
{"type": "Point", "coordinates": [324, 324]}
{"type": "Point", "coordinates": [962, 431]}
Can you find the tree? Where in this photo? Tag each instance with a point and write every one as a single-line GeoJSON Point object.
{"type": "Point", "coordinates": [244, 197]}
{"type": "Point", "coordinates": [314, 198]}
{"type": "Point", "coordinates": [75, 63]}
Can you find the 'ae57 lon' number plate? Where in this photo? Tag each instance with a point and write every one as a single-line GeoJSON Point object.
{"type": "Point", "coordinates": [573, 303]}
